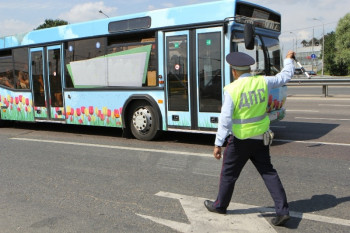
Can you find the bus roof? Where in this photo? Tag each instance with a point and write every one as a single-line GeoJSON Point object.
{"type": "Point", "coordinates": [162, 18]}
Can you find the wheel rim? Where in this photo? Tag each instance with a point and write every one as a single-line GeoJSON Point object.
{"type": "Point", "coordinates": [142, 120]}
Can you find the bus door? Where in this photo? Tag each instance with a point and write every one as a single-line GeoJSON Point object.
{"type": "Point", "coordinates": [209, 76]}
{"type": "Point", "coordinates": [46, 74]}
{"type": "Point", "coordinates": [177, 79]}
{"type": "Point", "coordinates": [194, 80]}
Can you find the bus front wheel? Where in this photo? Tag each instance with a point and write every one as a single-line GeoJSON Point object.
{"type": "Point", "coordinates": [144, 122]}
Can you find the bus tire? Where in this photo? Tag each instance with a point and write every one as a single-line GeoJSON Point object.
{"type": "Point", "coordinates": [144, 122]}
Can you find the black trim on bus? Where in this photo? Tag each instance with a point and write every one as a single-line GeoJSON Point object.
{"type": "Point", "coordinates": [193, 79]}
{"type": "Point", "coordinates": [129, 24]}
{"type": "Point", "coordinates": [179, 127]}
{"type": "Point", "coordinates": [207, 129]}
{"type": "Point", "coordinates": [189, 128]}
{"type": "Point", "coordinates": [220, 23]}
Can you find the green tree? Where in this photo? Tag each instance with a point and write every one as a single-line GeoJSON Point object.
{"type": "Point", "coordinates": [342, 41]}
{"type": "Point", "coordinates": [49, 23]}
{"type": "Point", "coordinates": [331, 65]}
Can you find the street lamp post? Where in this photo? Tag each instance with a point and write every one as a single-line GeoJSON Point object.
{"type": "Point", "coordinates": [100, 11]}
{"type": "Point", "coordinates": [322, 44]}
{"type": "Point", "coordinates": [296, 42]}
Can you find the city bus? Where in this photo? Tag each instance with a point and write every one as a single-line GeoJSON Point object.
{"type": "Point", "coordinates": [162, 70]}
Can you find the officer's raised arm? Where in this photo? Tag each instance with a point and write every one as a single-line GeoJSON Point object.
{"type": "Point", "coordinates": [285, 75]}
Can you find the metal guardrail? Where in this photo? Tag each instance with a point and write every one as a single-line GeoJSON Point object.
{"type": "Point", "coordinates": [318, 81]}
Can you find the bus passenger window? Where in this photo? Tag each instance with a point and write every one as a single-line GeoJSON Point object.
{"type": "Point", "coordinates": [131, 44]}
{"type": "Point", "coordinates": [38, 81]}
{"type": "Point", "coordinates": [81, 50]}
{"type": "Point", "coordinates": [20, 57]}
{"type": "Point", "coordinates": [6, 69]}
{"type": "Point", "coordinates": [54, 77]}
{"type": "Point", "coordinates": [209, 71]}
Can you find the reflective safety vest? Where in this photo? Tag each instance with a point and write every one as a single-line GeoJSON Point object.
{"type": "Point", "coordinates": [250, 96]}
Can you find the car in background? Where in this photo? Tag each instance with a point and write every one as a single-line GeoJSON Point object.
{"type": "Point", "coordinates": [311, 73]}
{"type": "Point", "coordinates": [298, 71]}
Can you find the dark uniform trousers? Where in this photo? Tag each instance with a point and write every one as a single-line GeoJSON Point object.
{"type": "Point", "coordinates": [235, 157]}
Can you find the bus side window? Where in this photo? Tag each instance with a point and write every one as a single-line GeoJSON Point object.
{"type": "Point", "coordinates": [6, 69]}
{"type": "Point", "coordinates": [126, 42]}
{"type": "Point", "coordinates": [20, 58]}
{"type": "Point", "coordinates": [82, 50]}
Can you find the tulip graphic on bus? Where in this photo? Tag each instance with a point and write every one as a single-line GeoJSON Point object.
{"type": "Point", "coordinates": [90, 115]}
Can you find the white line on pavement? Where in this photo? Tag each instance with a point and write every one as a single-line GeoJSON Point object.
{"type": "Point", "coordinates": [313, 142]}
{"type": "Point", "coordinates": [295, 98]}
{"type": "Point", "coordinates": [296, 110]}
{"type": "Point", "coordinates": [335, 105]}
{"type": "Point", "coordinates": [164, 151]}
{"type": "Point", "coordinates": [115, 147]}
{"type": "Point", "coordinates": [328, 119]}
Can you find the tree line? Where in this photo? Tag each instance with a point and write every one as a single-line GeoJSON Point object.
{"type": "Point", "coordinates": [337, 48]}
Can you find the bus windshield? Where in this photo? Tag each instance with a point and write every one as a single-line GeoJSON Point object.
{"type": "Point", "coordinates": [265, 47]}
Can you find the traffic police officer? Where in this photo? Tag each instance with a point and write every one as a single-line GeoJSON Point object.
{"type": "Point", "coordinates": [243, 117]}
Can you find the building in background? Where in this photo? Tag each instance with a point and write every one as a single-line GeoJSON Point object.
{"type": "Point", "coordinates": [310, 57]}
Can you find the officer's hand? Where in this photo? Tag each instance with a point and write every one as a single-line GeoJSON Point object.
{"type": "Point", "coordinates": [217, 152]}
{"type": "Point", "coordinates": [290, 54]}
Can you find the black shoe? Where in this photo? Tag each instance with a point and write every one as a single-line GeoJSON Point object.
{"type": "Point", "coordinates": [280, 220]}
{"type": "Point", "coordinates": [211, 208]}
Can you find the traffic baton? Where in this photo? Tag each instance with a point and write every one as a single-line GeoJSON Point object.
{"type": "Point", "coordinates": [301, 67]}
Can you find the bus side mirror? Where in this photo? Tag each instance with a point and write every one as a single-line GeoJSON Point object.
{"type": "Point", "coordinates": [249, 37]}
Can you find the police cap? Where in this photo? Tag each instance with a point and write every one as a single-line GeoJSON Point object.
{"type": "Point", "coordinates": [240, 61]}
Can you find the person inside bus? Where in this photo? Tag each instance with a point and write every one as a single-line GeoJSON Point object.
{"type": "Point", "coordinates": [243, 118]}
{"type": "Point", "coordinates": [56, 89]}
{"type": "Point", "coordinates": [38, 84]}
{"type": "Point", "coordinates": [5, 79]}
{"type": "Point", "coordinates": [23, 79]}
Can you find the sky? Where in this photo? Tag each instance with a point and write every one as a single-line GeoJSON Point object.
{"type": "Point", "coordinates": [298, 16]}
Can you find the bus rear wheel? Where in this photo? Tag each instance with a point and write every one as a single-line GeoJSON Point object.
{"type": "Point", "coordinates": [144, 122]}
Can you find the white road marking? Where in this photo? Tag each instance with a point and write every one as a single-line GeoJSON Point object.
{"type": "Point", "coordinates": [328, 119]}
{"type": "Point", "coordinates": [201, 220]}
{"type": "Point", "coordinates": [115, 147]}
{"type": "Point", "coordinates": [239, 219]}
{"type": "Point", "coordinates": [335, 105]}
{"type": "Point", "coordinates": [295, 98]}
{"type": "Point", "coordinates": [313, 142]}
{"type": "Point", "coordinates": [209, 154]}
{"type": "Point", "coordinates": [296, 110]}
{"type": "Point", "coordinates": [206, 174]}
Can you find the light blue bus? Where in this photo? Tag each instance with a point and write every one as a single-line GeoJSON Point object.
{"type": "Point", "coordinates": [161, 70]}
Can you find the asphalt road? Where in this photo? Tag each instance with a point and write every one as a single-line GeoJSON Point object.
{"type": "Point", "coordinates": [59, 178]}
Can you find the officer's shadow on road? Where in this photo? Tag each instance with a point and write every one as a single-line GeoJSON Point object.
{"type": "Point", "coordinates": [315, 204]}
{"type": "Point", "coordinates": [301, 131]}
{"type": "Point", "coordinates": [299, 208]}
